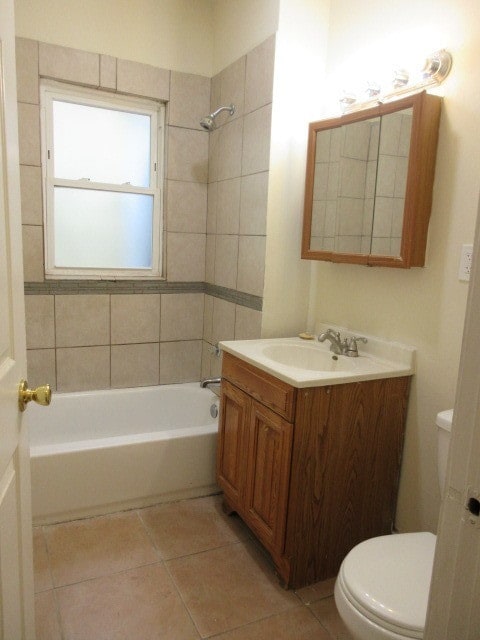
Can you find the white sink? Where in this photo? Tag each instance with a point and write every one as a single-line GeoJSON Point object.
{"type": "Point", "coordinates": [308, 357]}
{"type": "Point", "coordinates": [310, 363]}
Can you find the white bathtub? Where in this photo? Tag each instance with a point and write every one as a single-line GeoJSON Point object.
{"type": "Point", "coordinates": [97, 452]}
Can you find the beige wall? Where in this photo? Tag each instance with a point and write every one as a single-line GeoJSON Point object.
{"type": "Point", "coordinates": [173, 34]}
{"type": "Point", "coordinates": [239, 27]}
{"type": "Point", "coordinates": [300, 57]}
{"type": "Point", "coordinates": [424, 306]}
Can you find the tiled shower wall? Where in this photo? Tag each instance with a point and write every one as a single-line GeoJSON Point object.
{"type": "Point", "coordinates": [92, 335]}
{"type": "Point", "coordinates": [237, 192]}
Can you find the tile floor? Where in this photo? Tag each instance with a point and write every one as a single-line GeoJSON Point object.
{"type": "Point", "coordinates": [178, 571]}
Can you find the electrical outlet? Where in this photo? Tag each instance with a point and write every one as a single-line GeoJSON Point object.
{"type": "Point", "coordinates": [465, 262]}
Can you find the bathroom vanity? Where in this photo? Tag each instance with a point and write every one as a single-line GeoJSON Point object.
{"type": "Point", "coordinates": [310, 459]}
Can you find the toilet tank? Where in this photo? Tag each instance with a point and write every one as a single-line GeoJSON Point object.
{"type": "Point", "coordinates": [444, 424]}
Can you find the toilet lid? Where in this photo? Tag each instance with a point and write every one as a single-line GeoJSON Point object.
{"type": "Point", "coordinates": [388, 579]}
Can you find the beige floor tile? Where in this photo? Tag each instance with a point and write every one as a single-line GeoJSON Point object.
{"type": "Point", "coordinates": [140, 603]}
{"type": "Point", "coordinates": [191, 526]}
{"type": "Point", "coordinates": [41, 568]}
{"type": "Point", "coordinates": [298, 624]}
{"type": "Point", "coordinates": [228, 587]}
{"type": "Point", "coordinates": [326, 611]}
{"type": "Point", "coordinates": [46, 619]}
{"type": "Point", "coordinates": [317, 591]}
{"type": "Point", "coordinates": [97, 546]}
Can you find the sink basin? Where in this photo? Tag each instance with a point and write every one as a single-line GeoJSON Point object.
{"type": "Point", "coordinates": [308, 357]}
{"type": "Point", "coordinates": [310, 364]}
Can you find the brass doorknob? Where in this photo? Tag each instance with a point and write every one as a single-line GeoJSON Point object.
{"type": "Point", "coordinates": [42, 395]}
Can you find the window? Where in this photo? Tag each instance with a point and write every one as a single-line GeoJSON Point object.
{"type": "Point", "coordinates": [103, 169]}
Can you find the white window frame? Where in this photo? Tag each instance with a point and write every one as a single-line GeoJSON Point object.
{"type": "Point", "coordinates": [50, 91]}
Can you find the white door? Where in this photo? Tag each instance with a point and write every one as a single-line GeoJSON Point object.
{"type": "Point", "coordinates": [454, 611]}
{"type": "Point", "coordinates": [16, 574]}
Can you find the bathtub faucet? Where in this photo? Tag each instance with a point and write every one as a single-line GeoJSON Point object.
{"type": "Point", "coordinates": [208, 381]}
{"type": "Point", "coordinates": [213, 384]}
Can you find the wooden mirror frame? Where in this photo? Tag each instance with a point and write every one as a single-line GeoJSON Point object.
{"type": "Point", "coordinates": [419, 189]}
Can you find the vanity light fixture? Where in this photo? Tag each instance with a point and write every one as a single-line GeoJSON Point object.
{"type": "Point", "coordinates": [435, 69]}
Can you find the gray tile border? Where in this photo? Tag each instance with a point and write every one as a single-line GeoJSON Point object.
{"type": "Point", "coordinates": [88, 287]}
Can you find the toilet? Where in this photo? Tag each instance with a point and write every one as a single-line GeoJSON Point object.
{"type": "Point", "coordinates": [382, 588]}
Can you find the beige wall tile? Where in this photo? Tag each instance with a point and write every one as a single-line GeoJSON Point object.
{"type": "Point", "coordinates": [228, 206]}
{"type": "Point", "coordinates": [223, 322]}
{"type": "Point", "coordinates": [83, 368]}
{"type": "Point", "coordinates": [72, 65]}
{"type": "Point", "coordinates": [226, 258]}
{"type": "Point", "coordinates": [232, 90]}
{"type": "Point", "coordinates": [143, 80]}
{"type": "Point", "coordinates": [29, 133]}
{"type": "Point", "coordinates": [214, 143]}
{"type": "Point", "coordinates": [180, 361]}
{"type": "Point", "coordinates": [189, 99]}
{"type": "Point", "coordinates": [208, 318]}
{"type": "Point", "coordinates": [210, 258]}
{"type": "Point", "coordinates": [187, 155]}
{"type": "Point", "coordinates": [135, 365]}
{"type": "Point", "coordinates": [27, 70]}
{"type": "Point", "coordinates": [206, 357]}
{"type": "Point", "coordinates": [251, 264]}
{"type": "Point", "coordinates": [259, 75]}
{"type": "Point", "coordinates": [31, 193]}
{"type": "Point", "coordinates": [33, 270]}
{"type": "Point", "coordinates": [253, 204]}
{"type": "Point", "coordinates": [256, 141]}
{"type": "Point", "coordinates": [186, 206]}
{"type": "Point", "coordinates": [41, 367]}
{"type": "Point", "coordinates": [216, 366]}
{"type": "Point", "coordinates": [181, 316]}
{"type": "Point", "coordinates": [135, 318]}
{"type": "Point", "coordinates": [186, 257]}
{"type": "Point", "coordinates": [40, 322]}
{"type": "Point", "coordinates": [212, 207]}
{"type": "Point", "coordinates": [82, 320]}
{"type": "Point", "coordinates": [108, 72]}
{"type": "Point", "coordinates": [229, 158]}
{"type": "Point", "coordinates": [215, 95]}
{"type": "Point", "coordinates": [248, 323]}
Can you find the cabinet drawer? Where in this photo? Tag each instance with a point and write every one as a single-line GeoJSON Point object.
{"type": "Point", "coordinates": [274, 393]}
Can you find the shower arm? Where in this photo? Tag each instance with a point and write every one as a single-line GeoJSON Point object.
{"type": "Point", "coordinates": [230, 109]}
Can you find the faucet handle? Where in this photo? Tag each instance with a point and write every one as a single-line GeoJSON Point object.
{"type": "Point", "coordinates": [351, 349]}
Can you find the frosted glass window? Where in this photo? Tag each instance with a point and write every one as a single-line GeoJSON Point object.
{"type": "Point", "coordinates": [100, 144]}
{"type": "Point", "coordinates": [102, 155]}
{"type": "Point", "coordinates": [102, 229]}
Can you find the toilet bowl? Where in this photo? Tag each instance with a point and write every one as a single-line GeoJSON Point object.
{"type": "Point", "coordinates": [382, 588]}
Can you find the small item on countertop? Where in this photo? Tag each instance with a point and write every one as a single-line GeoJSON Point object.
{"type": "Point", "coordinates": [306, 335]}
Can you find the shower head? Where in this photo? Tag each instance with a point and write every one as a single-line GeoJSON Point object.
{"type": "Point", "coordinates": [208, 122]}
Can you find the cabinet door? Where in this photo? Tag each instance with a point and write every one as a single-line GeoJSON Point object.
{"type": "Point", "coordinates": [268, 475]}
{"type": "Point", "coordinates": [232, 444]}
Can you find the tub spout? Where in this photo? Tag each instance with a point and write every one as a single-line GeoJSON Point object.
{"type": "Point", "coordinates": [208, 381]}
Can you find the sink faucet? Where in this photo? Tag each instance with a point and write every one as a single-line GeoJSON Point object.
{"type": "Point", "coordinates": [347, 346]}
{"type": "Point", "coordinates": [337, 346]}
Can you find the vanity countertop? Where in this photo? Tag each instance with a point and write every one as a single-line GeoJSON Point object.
{"type": "Point", "coordinates": [308, 363]}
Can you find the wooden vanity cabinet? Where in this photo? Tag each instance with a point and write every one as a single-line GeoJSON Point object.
{"type": "Point", "coordinates": [311, 471]}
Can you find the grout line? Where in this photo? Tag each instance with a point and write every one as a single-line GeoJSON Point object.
{"type": "Point", "coordinates": [180, 595]}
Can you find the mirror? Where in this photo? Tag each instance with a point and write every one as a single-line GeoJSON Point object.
{"type": "Point", "coordinates": [369, 184]}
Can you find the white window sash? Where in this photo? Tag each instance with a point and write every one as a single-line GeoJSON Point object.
{"type": "Point", "coordinates": [156, 111]}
